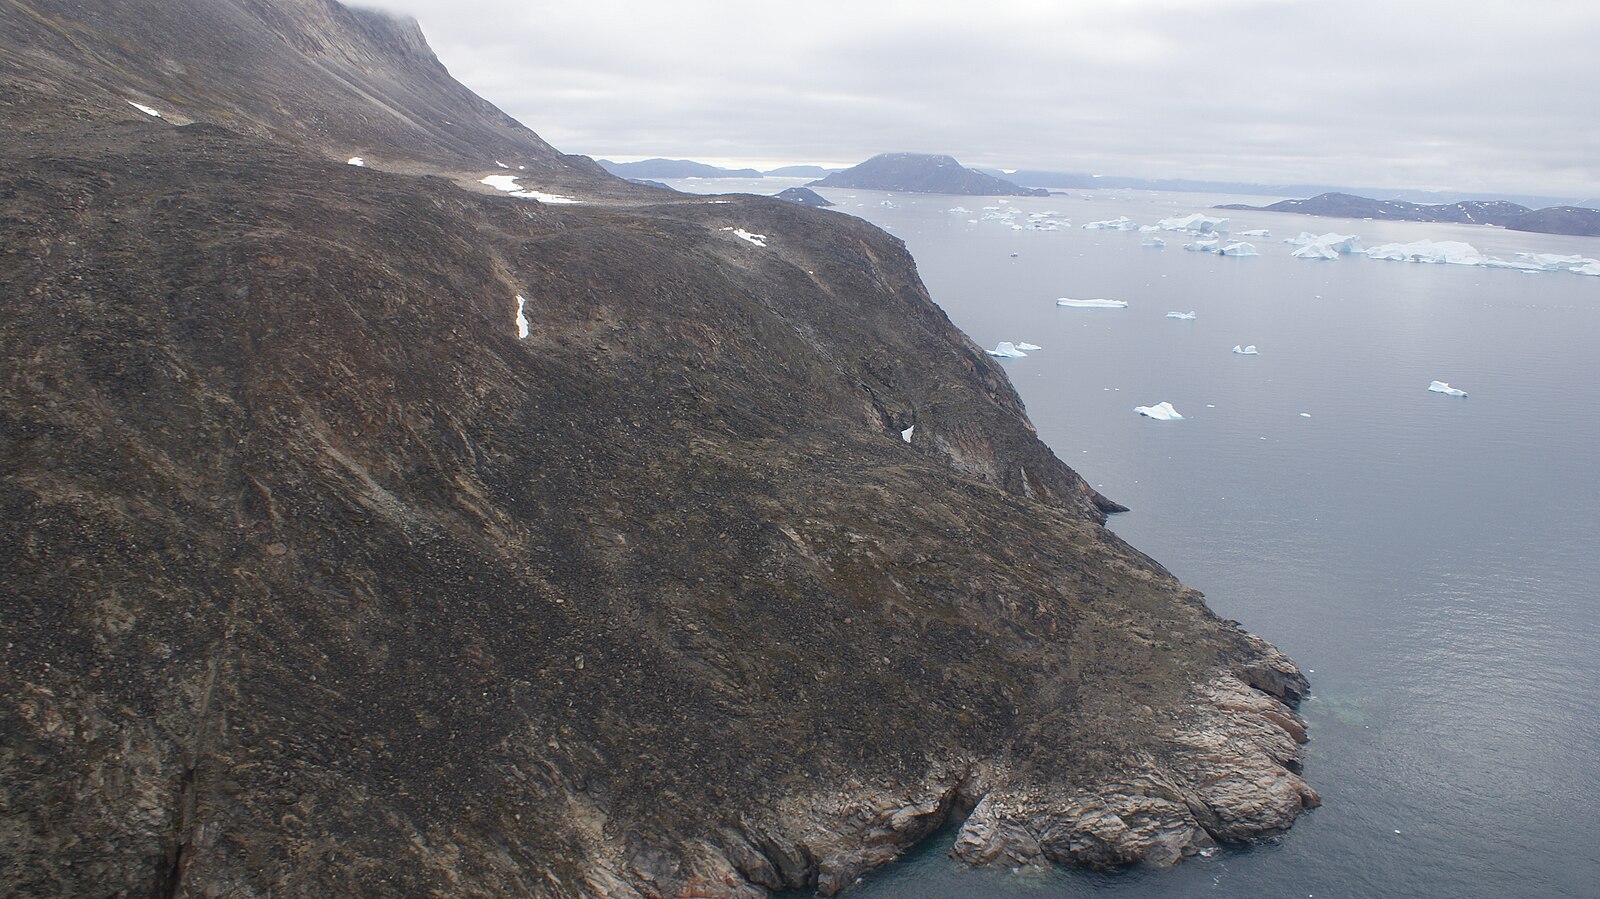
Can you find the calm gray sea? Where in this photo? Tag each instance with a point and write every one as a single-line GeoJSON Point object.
{"type": "Point", "coordinates": [1433, 562]}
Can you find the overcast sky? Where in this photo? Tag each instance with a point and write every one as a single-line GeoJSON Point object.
{"type": "Point", "coordinates": [1463, 95]}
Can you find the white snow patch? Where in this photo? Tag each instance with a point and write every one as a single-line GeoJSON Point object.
{"type": "Point", "coordinates": [1092, 304]}
{"type": "Point", "coordinates": [356, 161]}
{"type": "Point", "coordinates": [501, 164]}
{"type": "Point", "coordinates": [1005, 349]}
{"type": "Point", "coordinates": [1185, 316]}
{"type": "Point", "coordinates": [1249, 350]}
{"type": "Point", "coordinates": [522, 320]}
{"type": "Point", "coordinates": [1446, 389]}
{"type": "Point", "coordinates": [759, 240]}
{"type": "Point", "coordinates": [508, 183]}
{"type": "Point", "coordinates": [1161, 411]}
{"type": "Point", "coordinates": [145, 109]}
{"type": "Point", "coordinates": [906, 434]}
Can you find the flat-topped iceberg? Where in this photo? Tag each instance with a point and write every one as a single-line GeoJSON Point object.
{"type": "Point", "coordinates": [1203, 246]}
{"type": "Point", "coordinates": [1256, 232]}
{"type": "Point", "coordinates": [1446, 389]}
{"type": "Point", "coordinates": [1445, 252]}
{"type": "Point", "coordinates": [1315, 251]}
{"type": "Point", "coordinates": [1092, 304]}
{"type": "Point", "coordinates": [1199, 223]}
{"type": "Point", "coordinates": [1186, 316]}
{"type": "Point", "coordinates": [1120, 223]}
{"type": "Point", "coordinates": [1153, 242]}
{"type": "Point", "coordinates": [1238, 249]}
{"type": "Point", "coordinates": [1005, 349]}
{"type": "Point", "coordinates": [1248, 350]}
{"type": "Point", "coordinates": [1161, 411]}
{"type": "Point", "coordinates": [1023, 345]}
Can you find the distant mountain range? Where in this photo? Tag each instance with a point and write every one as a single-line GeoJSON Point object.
{"type": "Point", "coordinates": [924, 173]}
{"type": "Point", "coordinates": [1514, 216]}
{"type": "Point", "coordinates": [1084, 181]}
{"type": "Point", "coordinates": [688, 168]}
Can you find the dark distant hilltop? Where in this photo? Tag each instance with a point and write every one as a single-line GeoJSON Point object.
{"type": "Point", "coordinates": [805, 196]}
{"type": "Point", "coordinates": [924, 173]}
{"type": "Point", "coordinates": [1514, 216]}
{"type": "Point", "coordinates": [673, 168]}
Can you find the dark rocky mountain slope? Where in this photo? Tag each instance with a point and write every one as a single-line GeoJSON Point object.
{"type": "Point", "coordinates": [742, 570]}
{"type": "Point", "coordinates": [924, 173]}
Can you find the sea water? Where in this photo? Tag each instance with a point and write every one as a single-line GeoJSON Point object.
{"type": "Point", "coordinates": [1433, 562]}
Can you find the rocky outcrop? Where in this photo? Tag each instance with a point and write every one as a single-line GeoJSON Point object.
{"type": "Point", "coordinates": [924, 173]}
{"type": "Point", "coordinates": [804, 196]}
{"type": "Point", "coordinates": [370, 532]}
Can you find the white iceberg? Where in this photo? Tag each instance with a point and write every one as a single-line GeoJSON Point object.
{"type": "Point", "coordinates": [522, 320]}
{"type": "Point", "coordinates": [959, 210]}
{"type": "Point", "coordinates": [1029, 346]}
{"type": "Point", "coordinates": [356, 161]}
{"type": "Point", "coordinates": [1446, 389]}
{"type": "Point", "coordinates": [1445, 252]}
{"type": "Point", "coordinates": [1161, 411]}
{"type": "Point", "coordinates": [1092, 304]}
{"type": "Point", "coordinates": [1199, 223]}
{"type": "Point", "coordinates": [1238, 249]}
{"type": "Point", "coordinates": [906, 434]}
{"type": "Point", "coordinates": [1152, 242]}
{"type": "Point", "coordinates": [145, 109]}
{"type": "Point", "coordinates": [1203, 246]}
{"type": "Point", "coordinates": [759, 240]}
{"type": "Point", "coordinates": [1337, 244]}
{"type": "Point", "coordinates": [508, 183]}
{"type": "Point", "coordinates": [1256, 232]}
{"type": "Point", "coordinates": [1185, 316]}
{"type": "Point", "coordinates": [1315, 251]}
{"type": "Point", "coordinates": [1005, 349]}
{"type": "Point", "coordinates": [1246, 350]}
{"type": "Point", "coordinates": [1120, 223]}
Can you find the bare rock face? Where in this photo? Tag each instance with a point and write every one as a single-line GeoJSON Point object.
{"type": "Point", "coordinates": [369, 532]}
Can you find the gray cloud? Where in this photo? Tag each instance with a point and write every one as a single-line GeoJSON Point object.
{"type": "Point", "coordinates": [1493, 96]}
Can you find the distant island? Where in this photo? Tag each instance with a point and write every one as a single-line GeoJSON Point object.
{"type": "Point", "coordinates": [805, 196]}
{"type": "Point", "coordinates": [1572, 220]}
{"type": "Point", "coordinates": [924, 173]}
{"type": "Point", "coordinates": [800, 171]}
{"type": "Point", "coordinates": [673, 168]}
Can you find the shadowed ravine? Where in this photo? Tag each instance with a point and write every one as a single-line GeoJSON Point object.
{"type": "Point", "coordinates": [322, 580]}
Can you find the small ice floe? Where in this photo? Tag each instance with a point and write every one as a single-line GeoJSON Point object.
{"type": "Point", "coordinates": [759, 240]}
{"type": "Point", "coordinates": [356, 161]}
{"type": "Point", "coordinates": [1238, 249]}
{"type": "Point", "coordinates": [1013, 255]}
{"type": "Point", "coordinates": [889, 204]}
{"type": "Point", "coordinates": [1120, 223]}
{"type": "Point", "coordinates": [906, 434]}
{"type": "Point", "coordinates": [1152, 242]}
{"type": "Point", "coordinates": [1185, 316]}
{"type": "Point", "coordinates": [1249, 350]}
{"type": "Point", "coordinates": [508, 184]}
{"type": "Point", "coordinates": [1005, 349]}
{"type": "Point", "coordinates": [522, 320]}
{"type": "Point", "coordinates": [145, 109]}
{"type": "Point", "coordinates": [1446, 389]}
{"type": "Point", "coordinates": [1092, 304]}
{"type": "Point", "coordinates": [1161, 411]}
{"type": "Point", "coordinates": [1022, 345]}
{"type": "Point", "coordinates": [1305, 415]}
{"type": "Point", "coordinates": [1203, 246]}
{"type": "Point", "coordinates": [959, 210]}
{"type": "Point", "coordinates": [1256, 232]}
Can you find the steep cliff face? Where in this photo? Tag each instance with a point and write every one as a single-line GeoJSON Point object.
{"type": "Point", "coordinates": [323, 577]}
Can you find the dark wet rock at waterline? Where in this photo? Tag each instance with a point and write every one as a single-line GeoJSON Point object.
{"type": "Point", "coordinates": [324, 578]}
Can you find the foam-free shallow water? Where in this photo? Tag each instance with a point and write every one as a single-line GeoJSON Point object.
{"type": "Point", "coordinates": [1432, 561]}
